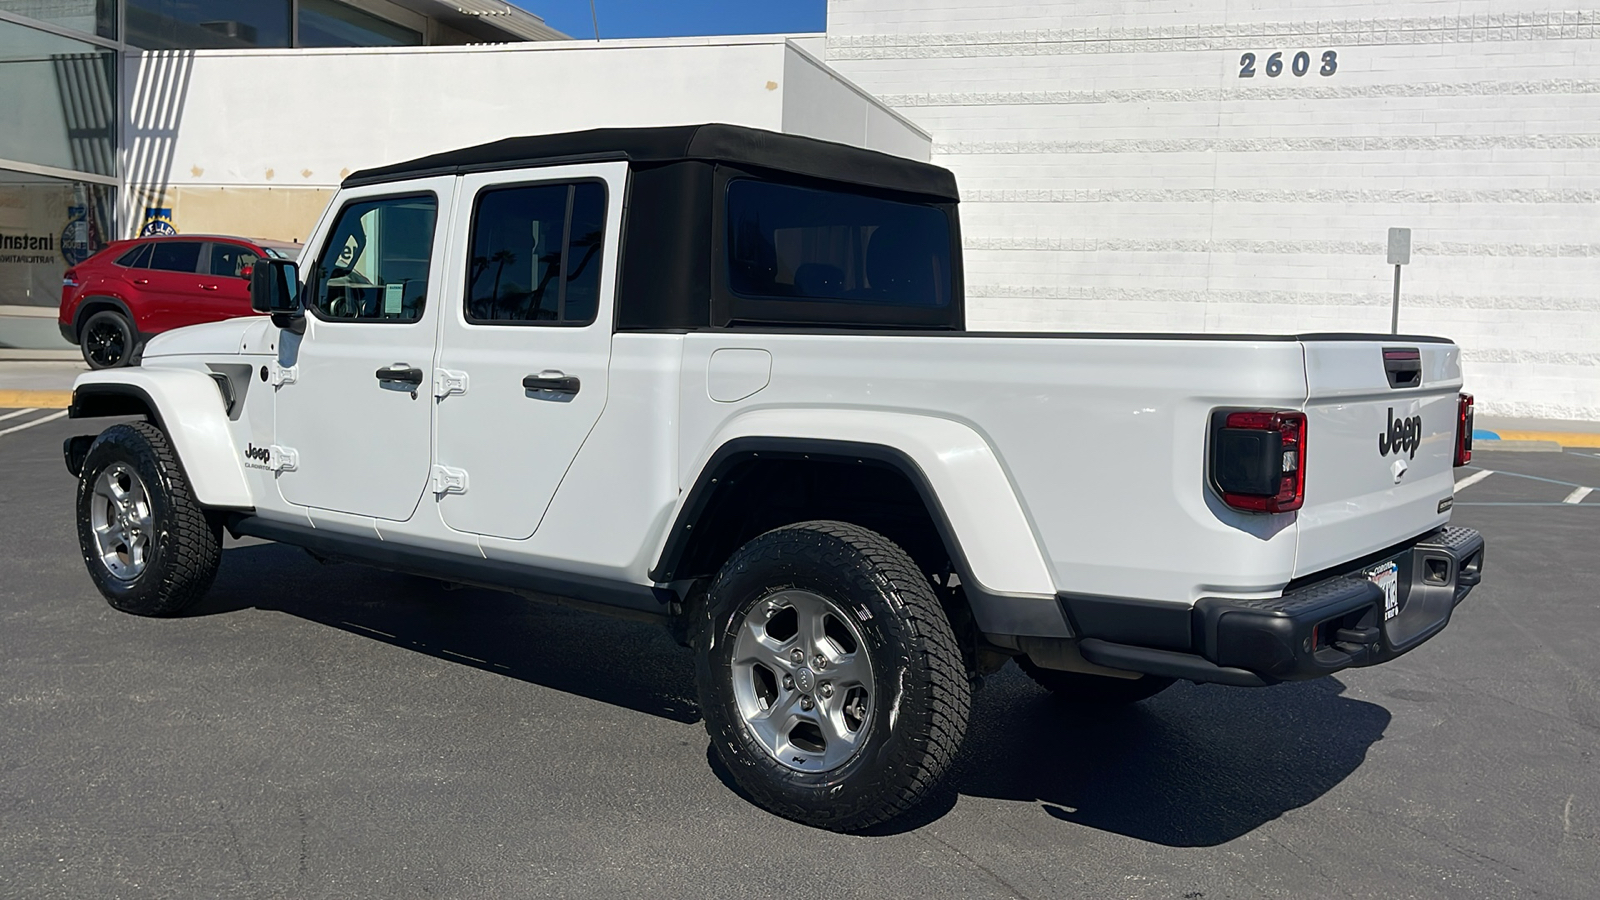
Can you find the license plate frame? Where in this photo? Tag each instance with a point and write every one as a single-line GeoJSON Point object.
{"type": "Point", "coordinates": [1387, 577]}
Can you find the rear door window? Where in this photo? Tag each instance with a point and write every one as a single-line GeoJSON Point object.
{"type": "Point", "coordinates": [175, 256]}
{"type": "Point", "coordinates": [536, 254]}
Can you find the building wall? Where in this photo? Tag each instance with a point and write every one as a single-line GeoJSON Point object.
{"type": "Point", "coordinates": [255, 142]}
{"type": "Point", "coordinates": [1118, 173]}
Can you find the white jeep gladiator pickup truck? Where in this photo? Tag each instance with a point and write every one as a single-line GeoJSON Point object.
{"type": "Point", "coordinates": [721, 377]}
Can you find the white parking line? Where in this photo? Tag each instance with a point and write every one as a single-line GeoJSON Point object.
{"type": "Point", "coordinates": [20, 412]}
{"type": "Point", "coordinates": [1471, 480]}
{"type": "Point", "coordinates": [39, 421]}
{"type": "Point", "coordinates": [1578, 494]}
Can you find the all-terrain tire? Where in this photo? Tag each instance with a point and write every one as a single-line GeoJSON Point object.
{"type": "Point", "coordinates": [1094, 690]}
{"type": "Point", "coordinates": [920, 697]}
{"type": "Point", "coordinates": [182, 546]}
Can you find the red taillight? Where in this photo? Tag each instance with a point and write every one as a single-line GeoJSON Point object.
{"type": "Point", "coordinates": [1464, 429]}
{"type": "Point", "coordinates": [1258, 459]}
{"type": "Point", "coordinates": [69, 278]}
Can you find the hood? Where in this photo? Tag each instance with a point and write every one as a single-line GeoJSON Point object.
{"type": "Point", "coordinates": [230, 336]}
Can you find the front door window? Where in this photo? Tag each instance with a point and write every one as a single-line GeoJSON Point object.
{"type": "Point", "coordinates": [374, 266]}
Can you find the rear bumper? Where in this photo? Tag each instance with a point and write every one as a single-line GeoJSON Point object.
{"type": "Point", "coordinates": [68, 333]}
{"type": "Point", "coordinates": [1320, 628]}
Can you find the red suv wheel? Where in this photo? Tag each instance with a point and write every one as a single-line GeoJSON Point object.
{"type": "Point", "coordinates": [106, 340]}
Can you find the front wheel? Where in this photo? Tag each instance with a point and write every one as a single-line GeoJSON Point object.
{"type": "Point", "coordinates": [149, 546]}
{"type": "Point", "coordinates": [831, 683]}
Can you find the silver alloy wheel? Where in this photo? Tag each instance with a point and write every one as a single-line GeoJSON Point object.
{"type": "Point", "coordinates": [119, 514]}
{"type": "Point", "coordinates": [802, 680]}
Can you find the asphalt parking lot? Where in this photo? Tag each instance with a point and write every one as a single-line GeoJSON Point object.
{"type": "Point", "coordinates": [331, 731]}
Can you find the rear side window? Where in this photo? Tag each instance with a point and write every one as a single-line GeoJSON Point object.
{"type": "Point", "coordinates": [536, 254]}
{"type": "Point", "coordinates": [805, 244]}
{"type": "Point", "coordinates": [175, 256]}
{"type": "Point", "coordinates": [231, 260]}
{"type": "Point", "coordinates": [137, 258]}
{"type": "Point", "coordinates": [374, 266]}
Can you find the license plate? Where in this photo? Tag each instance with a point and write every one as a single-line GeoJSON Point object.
{"type": "Point", "coordinates": [1387, 577]}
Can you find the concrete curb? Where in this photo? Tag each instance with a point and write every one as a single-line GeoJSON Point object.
{"type": "Point", "coordinates": [1504, 446]}
{"type": "Point", "coordinates": [35, 399]}
{"type": "Point", "coordinates": [12, 354]}
{"type": "Point", "coordinates": [1574, 439]}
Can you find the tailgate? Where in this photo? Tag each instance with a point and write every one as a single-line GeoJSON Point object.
{"type": "Point", "coordinates": [1380, 444]}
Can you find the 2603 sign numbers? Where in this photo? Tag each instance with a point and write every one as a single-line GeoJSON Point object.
{"type": "Point", "coordinates": [1299, 65]}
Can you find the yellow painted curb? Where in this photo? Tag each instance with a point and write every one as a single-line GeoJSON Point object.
{"type": "Point", "coordinates": [1564, 438]}
{"type": "Point", "coordinates": [39, 399]}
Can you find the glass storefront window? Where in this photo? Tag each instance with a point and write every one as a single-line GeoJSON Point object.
{"type": "Point", "coordinates": [96, 17]}
{"type": "Point", "coordinates": [59, 98]}
{"type": "Point", "coordinates": [46, 226]}
{"type": "Point", "coordinates": [207, 24]}
{"type": "Point", "coordinates": [328, 23]}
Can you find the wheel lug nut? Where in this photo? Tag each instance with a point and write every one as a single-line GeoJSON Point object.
{"type": "Point", "coordinates": [806, 703]}
{"type": "Point", "coordinates": [788, 682]}
{"type": "Point", "coordinates": [819, 661]}
{"type": "Point", "coordinates": [797, 655]}
{"type": "Point", "coordinates": [827, 690]}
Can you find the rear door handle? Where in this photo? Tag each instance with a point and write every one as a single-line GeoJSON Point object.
{"type": "Point", "coordinates": [401, 373]}
{"type": "Point", "coordinates": [552, 381]}
{"type": "Point", "coordinates": [141, 281]}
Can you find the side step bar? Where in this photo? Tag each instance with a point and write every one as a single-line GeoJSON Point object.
{"type": "Point", "coordinates": [1167, 663]}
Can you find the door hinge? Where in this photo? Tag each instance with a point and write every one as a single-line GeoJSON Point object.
{"type": "Point", "coordinates": [282, 375]}
{"type": "Point", "coordinates": [449, 481]}
{"type": "Point", "coordinates": [447, 382]}
{"type": "Point", "coordinates": [282, 459]}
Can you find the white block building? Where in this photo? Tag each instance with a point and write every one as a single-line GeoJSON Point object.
{"type": "Point", "coordinates": [267, 168]}
{"type": "Point", "coordinates": [1126, 165]}
{"type": "Point", "coordinates": [1136, 165]}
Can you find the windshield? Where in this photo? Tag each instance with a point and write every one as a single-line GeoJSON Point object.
{"type": "Point", "coordinates": [289, 253]}
{"type": "Point", "coordinates": [795, 243]}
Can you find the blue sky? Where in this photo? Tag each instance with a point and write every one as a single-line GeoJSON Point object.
{"type": "Point", "coordinates": [673, 18]}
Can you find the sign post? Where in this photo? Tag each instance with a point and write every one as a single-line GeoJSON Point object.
{"type": "Point", "coordinates": [1399, 255]}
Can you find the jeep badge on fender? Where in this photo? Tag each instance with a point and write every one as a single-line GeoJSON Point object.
{"type": "Point", "coordinates": [1402, 435]}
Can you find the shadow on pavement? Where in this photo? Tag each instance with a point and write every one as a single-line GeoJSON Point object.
{"type": "Point", "coordinates": [634, 665]}
{"type": "Point", "coordinates": [1196, 766]}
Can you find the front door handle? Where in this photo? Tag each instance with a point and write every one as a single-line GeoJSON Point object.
{"type": "Point", "coordinates": [208, 287]}
{"type": "Point", "coordinates": [552, 381]}
{"type": "Point", "coordinates": [401, 373]}
{"type": "Point", "coordinates": [141, 281]}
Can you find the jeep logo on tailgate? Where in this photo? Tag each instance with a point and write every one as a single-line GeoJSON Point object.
{"type": "Point", "coordinates": [1402, 436]}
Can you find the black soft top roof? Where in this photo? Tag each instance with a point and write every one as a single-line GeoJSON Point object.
{"type": "Point", "coordinates": [714, 142]}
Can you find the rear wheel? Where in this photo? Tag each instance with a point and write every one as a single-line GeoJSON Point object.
{"type": "Point", "coordinates": [149, 546]}
{"type": "Point", "coordinates": [106, 340]}
{"type": "Point", "coordinates": [1095, 690]}
{"type": "Point", "coordinates": [830, 680]}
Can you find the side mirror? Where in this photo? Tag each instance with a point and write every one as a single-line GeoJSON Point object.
{"type": "Point", "coordinates": [275, 289]}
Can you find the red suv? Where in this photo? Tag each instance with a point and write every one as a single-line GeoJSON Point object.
{"type": "Point", "coordinates": [114, 301]}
